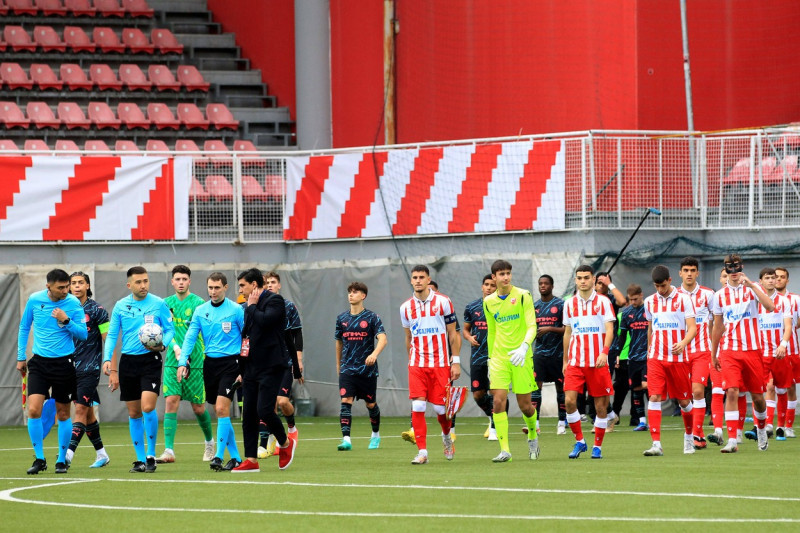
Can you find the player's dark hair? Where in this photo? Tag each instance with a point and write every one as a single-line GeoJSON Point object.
{"type": "Point", "coordinates": [548, 277]}
{"type": "Point", "coordinates": [605, 274]}
{"type": "Point", "coordinates": [357, 286]}
{"type": "Point", "coordinates": [86, 278]}
{"type": "Point", "coordinates": [182, 269]}
{"type": "Point", "coordinates": [660, 274]}
{"type": "Point", "coordinates": [784, 270]}
{"type": "Point", "coordinates": [133, 271]}
{"type": "Point", "coordinates": [57, 276]}
{"type": "Point", "coordinates": [435, 285]}
{"type": "Point", "coordinates": [732, 258]}
{"type": "Point", "coordinates": [252, 275]}
{"type": "Point", "coordinates": [766, 271]}
{"type": "Point", "coordinates": [500, 264]}
{"type": "Point", "coordinates": [722, 270]}
{"type": "Point", "coordinates": [272, 274]}
{"type": "Point", "coordinates": [585, 268]}
{"type": "Point", "coordinates": [634, 289]}
{"type": "Point", "coordinates": [690, 261]}
{"type": "Point", "coordinates": [486, 277]}
{"type": "Point", "coordinates": [218, 276]}
{"type": "Point", "coordinates": [421, 268]}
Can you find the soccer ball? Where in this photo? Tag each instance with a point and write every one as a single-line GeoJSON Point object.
{"type": "Point", "coordinates": [151, 335]}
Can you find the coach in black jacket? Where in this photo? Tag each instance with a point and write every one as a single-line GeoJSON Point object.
{"type": "Point", "coordinates": [265, 364]}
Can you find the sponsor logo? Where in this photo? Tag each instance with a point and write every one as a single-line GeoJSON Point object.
{"type": "Point", "coordinates": [506, 318]}
{"type": "Point", "coordinates": [730, 316]}
{"type": "Point", "coordinates": [763, 324]}
{"type": "Point", "coordinates": [226, 327]}
{"type": "Point", "coordinates": [417, 331]}
{"type": "Point", "coordinates": [344, 324]}
{"type": "Point", "coordinates": [580, 330]}
{"type": "Point", "coordinates": [658, 324]}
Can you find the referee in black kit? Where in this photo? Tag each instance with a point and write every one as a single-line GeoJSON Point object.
{"type": "Point", "coordinates": [265, 360]}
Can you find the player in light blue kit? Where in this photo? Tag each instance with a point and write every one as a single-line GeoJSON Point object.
{"type": "Point", "coordinates": [137, 374]}
{"type": "Point", "coordinates": [220, 321]}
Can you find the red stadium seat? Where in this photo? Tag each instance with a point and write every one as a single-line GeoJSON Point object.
{"type": "Point", "coordinates": [137, 8]}
{"type": "Point", "coordinates": [161, 116]}
{"type": "Point", "coordinates": [22, 7]}
{"type": "Point", "coordinates": [109, 8]}
{"type": "Point", "coordinates": [191, 117]}
{"type": "Point", "coordinates": [14, 77]}
{"type": "Point", "coordinates": [8, 145]}
{"type": "Point", "coordinates": [197, 193]}
{"type": "Point", "coordinates": [133, 78]}
{"type": "Point", "coordinates": [191, 79]}
{"type": "Point", "coordinates": [131, 116]}
{"type": "Point", "coordinates": [221, 117]}
{"type": "Point", "coordinates": [67, 145]}
{"type": "Point", "coordinates": [44, 77]}
{"type": "Point", "coordinates": [107, 41]}
{"type": "Point", "coordinates": [94, 145]}
{"type": "Point", "coordinates": [188, 145]}
{"type": "Point", "coordinates": [254, 160]}
{"type": "Point", "coordinates": [252, 190]}
{"type": "Point", "coordinates": [154, 145]}
{"type": "Point", "coordinates": [47, 38]}
{"type": "Point", "coordinates": [75, 78]}
{"type": "Point", "coordinates": [127, 146]}
{"type": "Point", "coordinates": [18, 39]}
{"type": "Point", "coordinates": [36, 145]}
{"type": "Point", "coordinates": [219, 153]}
{"type": "Point", "coordinates": [275, 188]}
{"type": "Point", "coordinates": [42, 116]}
{"type": "Point", "coordinates": [3, 8]}
{"type": "Point", "coordinates": [219, 188]}
{"type": "Point", "coordinates": [102, 116]}
{"type": "Point", "coordinates": [162, 78]}
{"type": "Point", "coordinates": [165, 41]}
{"type": "Point", "coordinates": [12, 116]}
{"type": "Point", "coordinates": [80, 8]}
{"type": "Point", "coordinates": [77, 40]}
{"type": "Point", "coordinates": [73, 116]}
{"type": "Point", "coordinates": [51, 7]}
{"type": "Point", "coordinates": [136, 41]}
{"type": "Point", "coordinates": [104, 78]}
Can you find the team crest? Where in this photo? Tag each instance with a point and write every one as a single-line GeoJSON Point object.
{"type": "Point", "coordinates": [226, 327]}
{"type": "Point", "coordinates": [188, 312]}
{"type": "Point", "coordinates": [513, 301]}
{"type": "Point", "coordinates": [363, 324]}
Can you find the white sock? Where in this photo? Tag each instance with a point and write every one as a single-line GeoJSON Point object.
{"type": "Point", "coordinates": [70, 455]}
{"type": "Point", "coordinates": [346, 439]}
{"type": "Point", "coordinates": [169, 451]}
{"type": "Point", "coordinates": [102, 452]}
{"type": "Point", "coordinates": [376, 434]}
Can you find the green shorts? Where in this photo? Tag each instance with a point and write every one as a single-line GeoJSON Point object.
{"type": "Point", "coordinates": [191, 389]}
{"type": "Point", "coordinates": [503, 374]}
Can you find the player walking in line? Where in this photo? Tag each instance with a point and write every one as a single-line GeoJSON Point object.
{"type": "Point", "coordinates": [793, 351]}
{"type": "Point", "coordinates": [588, 333]}
{"type": "Point", "coordinates": [511, 323]}
{"type": "Point", "coordinates": [671, 327]}
{"type": "Point", "coordinates": [719, 397]}
{"type": "Point", "coordinates": [182, 304]}
{"type": "Point", "coordinates": [57, 319]}
{"type": "Point", "coordinates": [88, 356]}
{"type": "Point", "coordinates": [736, 348]}
{"type": "Point", "coordinates": [633, 328]}
{"type": "Point", "coordinates": [357, 362]}
{"type": "Point", "coordinates": [699, 350]}
{"type": "Point", "coordinates": [220, 321]}
{"type": "Point", "coordinates": [137, 371]}
{"type": "Point", "coordinates": [474, 333]}
{"type": "Point", "coordinates": [430, 336]}
{"type": "Point", "coordinates": [548, 349]}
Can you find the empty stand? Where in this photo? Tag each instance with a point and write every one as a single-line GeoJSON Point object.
{"type": "Point", "coordinates": [48, 40]}
{"type": "Point", "coordinates": [221, 117]}
{"type": "Point", "coordinates": [219, 188]}
{"type": "Point", "coordinates": [72, 116]}
{"type": "Point", "coordinates": [96, 145]}
{"type": "Point", "coordinates": [156, 145]}
{"type": "Point", "coordinates": [105, 78]}
{"type": "Point", "coordinates": [252, 190]}
{"type": "Point", "coordinates": [42, 116]}
{"type": "Point", "coordinates": [256, 160]}
{"type": "Point", "coordinates": [12, 116]}
{"type": "Point", "coordinates": [65, 144]}
{"type": "Point", "coordinates": [75, 78]}
{"type": "Point", "coordinates": [165, 41]}
{"type": "Point", "coordinates": [8, 145]}
{"type": "Point", "coordinates": [109, 8]}
{"type": "Point", "coordinates": [14, 77]}
{"type": "Point", "coordinates": [162, 78]}
{"type": "Point", "coordinates": [18, 39]}
{"type": "Point", "coordinates": [43, 77]}
{"type": "Point", "coordinates": [161, 116]}
{"type": "Point", "coordinates": [36, 145]}
{"type": "Point", "coordinates": [136, 41]}
{"type": "Point", "coordinates": [132, 117]}
{"type": "Point", "coordinates": [22, 7]}
{"type": "Point", "coordinates": [51, 7]}
{"type": "Point", "coordinates": [197, 193]}
{"type": "Point", "coordinates": [127, 146]}
{"type": "Point", "coordinates": [137, 8]}
{"type": "Point", "coordinates": [190, 116]}
{"type": "Point", "coordinates": [274, 187]}
{"type": "Point", "coordinates": [101, 116]}
{"type": "Point", "coordinates": [80, 8]}
{"type": "Point", "coordinates": [218, 153]}
{"type": "Point", "coordinates": [107, 40]}
{"type": "Point", "coordinates": [191, 79]}
{"type": "Point", "coordinates": [77, 40]}
{"type": "Point", "coordinates": [133, 78]}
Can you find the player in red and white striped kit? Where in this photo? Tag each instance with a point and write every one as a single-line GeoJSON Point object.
{"type": "Point", "coordinates": [671, 327]}
{"type": "Point", "coordinates": [699, 349]}
{"type": "Point", "coordinates": [736, 348]}
{"type": "Point", "coordinates": [429, 321]}
{"type": "Point", "coordinates": [781, 281]}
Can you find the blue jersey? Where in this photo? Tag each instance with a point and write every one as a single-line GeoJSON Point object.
{"type": "Point", "coordinates": [221, 326]}
{"type": "Point", "coordinates": [128, 316]}
{"type": "Point", "coordinates": [634, 326]}
{"type": "Point", "coordinates": [473, 315]}
{"type": "Point", "coordinates": [50, 339]}
{"type": "Point", "coordinates": [357, 333]}
{"type": "Point", "coordinates": [89, 353]}
{"type": "Point", "coordinates": [549, 314]}
{"type": "Point", "coordinates": [292, 316]}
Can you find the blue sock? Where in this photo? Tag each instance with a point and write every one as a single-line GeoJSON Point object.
{"type": "Point", "coordinates": [151, 430]}
{"type": "Point", "coordinates": [48, 417]}
{"type": "Point", "coordinates": [136, 426]}
{"type": "Point", "coordinates": [35, 433]}
{"type": "Point", "coordinates": [223, 423]}
{"type": "Point", "coordinates": [233, 449]}
{"type": "Point", "coordinates": [64, 436]}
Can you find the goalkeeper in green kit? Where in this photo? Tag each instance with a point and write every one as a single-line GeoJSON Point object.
{"type": "Point", "coordinates": [511, 323]}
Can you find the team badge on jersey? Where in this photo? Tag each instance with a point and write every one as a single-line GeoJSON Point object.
{"type": "Point", "coordinates": [226, 327]}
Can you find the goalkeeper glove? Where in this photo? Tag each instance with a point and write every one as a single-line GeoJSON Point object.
{"type": "Point", "coordinates": [517, 357]}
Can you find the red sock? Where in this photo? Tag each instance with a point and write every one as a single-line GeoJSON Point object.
{"type": "Point", "coordinates": [698, 414]}
{"type": "Point", "coordinates": [599, 433]}
{"type": "Point", "coordinates": [760, 424]}
{"type": "Point", "coordinates": [790, 416]}
{"type": "Point", "coordinates": [420, 429]}
{"type": "Point", "coordinates": [688, 420]}
{"type": "Point", "coordinates": [770, 414]}
{"type": "Point", "coordinates": [717, 410]}
{"type": "Point", "coordinates": [783, 399]}
{"type": "Point", "coordinates": [654, 419]}
{"type": "Point", "coordinates": [445, 423]}
{"type": "Point", "coordinates": [732, 423]}
{"type": "Point", "coordinates": [577, 430]}
{"type": "Point", "coordinates": [742, 410]}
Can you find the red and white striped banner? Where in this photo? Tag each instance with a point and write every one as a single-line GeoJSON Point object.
{"type": "Point", "coordinates": [439, 190]}
{"type": "Point", "coordinates": [46, 198]}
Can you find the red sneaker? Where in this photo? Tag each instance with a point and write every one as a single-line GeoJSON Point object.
{"type": "Point", "coordinates": [287, 454]}
{"type": "Point", "coordinates": [292, 434]}
{"type": "Point", "coordinates": [246, 467]}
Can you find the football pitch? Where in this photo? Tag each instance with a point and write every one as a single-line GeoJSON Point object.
{"type": "Point", "coordinates": [379, 490]}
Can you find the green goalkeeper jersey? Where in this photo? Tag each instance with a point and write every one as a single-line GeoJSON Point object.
{"type": "Point", "coordinates": [182, 311]}
{"type": "Point", "coordinates": [510, 321]}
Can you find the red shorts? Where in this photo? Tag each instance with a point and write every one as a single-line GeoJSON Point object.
{"type": "Point", "coordinates": [794, 361]}
{"type": "Point", "coordinates": [701, 367]}
{"type": "Point", "coordinates": [742, 370]}
{"type": "Point", "coordinates": [430, 383]}
{"type": "Point", "coordinates": [780, 370]}
{"type": "Point", "coordinates": [673, 379]}
{"type": "Point", "coordinates": [597, 380]}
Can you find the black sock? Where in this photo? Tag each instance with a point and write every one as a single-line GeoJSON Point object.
{"type": "Point", "coordinates": [346, 418]}
{"type": "Point", "coordinates": [78, 429]}
{"type": "Point", "coordinates": [263, 432]}
{"type": "Point", "coordinates": [486, 404]}
{"type": "Point", "coordinates": [375, 418]}
{"type": "Point", "coordinates": [289, 420]}
{"type": "Point", "coordinates": [561, 400]}
{"type": "Point", "coordinates": [536, 400]}
{"type": "Point", "coordinates": [93, 432]}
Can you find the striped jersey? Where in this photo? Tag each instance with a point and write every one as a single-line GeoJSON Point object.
{"type": "Point", "coordinates": [770, 324]}
{"type": "Point", "coordinates": [702, 298]}
{"type": "Point", "coordinates": [738, 307]}
{"type": "Point", "coordinates": [427, 320]}
{"type": "Point", "coordinates": [587, 319]}
{"type": "Point", "coordinates": [667, 317]}
{"type": "Point", "coordinates": [794, 305]}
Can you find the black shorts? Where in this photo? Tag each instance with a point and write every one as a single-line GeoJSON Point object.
{"type": "Point", "coordinates": [359, 387]}
{"type": "Point", "coordinates": [548, 369]}
{"type": "Point", "coordinates": [286, 384]}
{"type": "Point", "coordinates": [219, 377]}
{"type": "Point", "coordinates": [138, 374]}
{"type": "Point", "coordinates": [637, 373]}
{"type": "Point", "coordinates": [87, 388]}
{"type": "Point", "coordinates": [56, 373]}
{"type": "Point", "coordinates": [480, 377]}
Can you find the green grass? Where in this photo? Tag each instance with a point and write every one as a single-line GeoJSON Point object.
{"type": "Point", "coordinates": [379, 490]}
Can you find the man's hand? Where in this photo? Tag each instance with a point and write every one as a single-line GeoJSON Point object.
{"type": "Point", "coordinates": [455, 371]}
{"type": "Point", "coordinates": [107, 368]}
{"type": "Point", "coordinates": [472, 340]}
{"type": "Point", "coordinates": [182, 373]}
{"type": "Point", "coordinates": [22, 367]}
{"type": "Point", "coordinates": [602, 360]}
{"type": "Point", "coordinates": [371, 359]}
{"type": "Point", "coordinates": [678, 348]}
{"type": "Point", "coordinates": [745, 280]}
{"type": "Point", "coordinates": [255, 294]}
{"type": "Point", "coordinates": [604, 280]}
{"type": "Point", "coordinates": [59, 315]}
{"type": "Point", "coordinates": [780, 353]}
{"type": "Point", "coordinates": [517, 357]}
{"type": "Point", "coordinates": [715, 364]}
{"type": "Point", "coordinates": [177, 350]}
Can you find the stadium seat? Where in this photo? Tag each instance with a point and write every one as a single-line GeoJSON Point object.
{"type": "Point", "coordinates": [219, 154]}
{"type": "Point", "coordinates": [161, 116]}
{"type": "Point", "coordinates": [191, 79]}
{"type": "Point", "coordinates": [137, 8]}
{"type": "Point", "coordinates": [188, 145]}
{"type": "Point", "coordinates": [254, 160]}
{"type": "Point", "coordinates": [94, 145]}
{"type": "Point", "coordinates": [102, 116]}
{"type": "Point", "coordinates": [3, 8]}
{"type": "Point", "coordinates": [22, 7]}
{"type": "Point", "coordinates": [8, 145]}
{"type": "Point", "coordinates": [12, 116]}
{"type": "Point", "coordinates": [67, 145]}
{"type": "Point", "coordinates": [274, 188]}
{"type": "Point", "coordinates": [80, 8]}
{"type": "Point", "coordinates": [136, 41]}
{"type": "Point", "coordinates": [191, 117]}
{"type": "Point", "coordinates": [51, 7]}
{"type": "Point", "coordinates": [155, 145]}
{"type": "Point", "coordinates": [131, 116]}
{"type": "Point", "coordinates": [73, 116]}
{"type": "Point", "coordinates": [219, 188]}
{"type": "Point", "coordinates": [109, 8]}
{"type": "Point", "coordinates": [162, 78]}
{"type": "Point", "coordinates": [107, 41]}
{"type": "Point", "coordinates": [165, 41]}
{"type": "Point", "coordinates": [197, 193]}
{"type": "Point", "coordinates": [14, 77]}
{"type": "Point", "coordinates": [18, 39]}
{"type": "Point", "coordinates": [104, 78]}
{"type": "Point", "coordinates": [42, 116]}
{"type": "Point", "coordinates": [44, 77]}
{"type": "Point", "coordinates": [36, 145]}
{"type": "Point", "coordinates": [77, 40]}
{"type": "Point", "coordinates": [75, 78]}
{"type": "Point", "coordinates": [127, 146]}
{"type": "Point", "coordinates": [252, 190]}
{"type": "Point", "coordinates": [47, 38]}
{"type": "Point", "coordinates": [221, 117]}
{"type": "Point", "coordinates": [133, 78]}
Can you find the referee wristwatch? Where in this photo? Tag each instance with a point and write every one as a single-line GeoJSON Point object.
{"type": "Point", "coordinates": [67, 321]}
